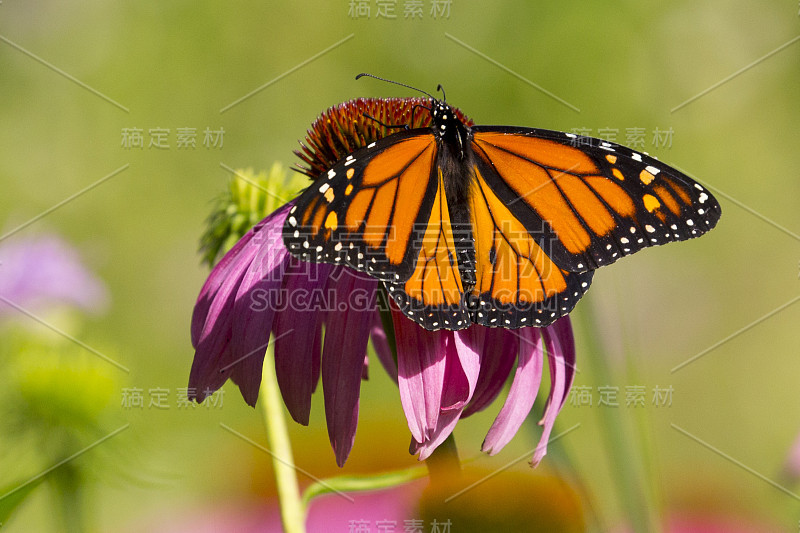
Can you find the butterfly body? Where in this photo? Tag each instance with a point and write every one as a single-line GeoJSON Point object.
{"type": "Point", "coordinates": [495, 225]}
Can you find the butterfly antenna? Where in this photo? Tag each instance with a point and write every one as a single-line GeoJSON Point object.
{"type": "Point", "coordinates": [397, 83]}
{"type": "Point", "coordinates": [444, 96]}
{"type": "Point", "coordinates": [404, 126]}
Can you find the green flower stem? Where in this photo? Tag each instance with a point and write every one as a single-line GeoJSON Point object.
{"type": "Point", "coordinates": [68, 491]}
{"type": "Point", "coordinates": [620, 443]}
{"type": "Point", "coordinates": [384, 480]}
{"type": "Point", "coordinates": [293, 512]}
{"type": "Point", "coordinates": [443, 463]}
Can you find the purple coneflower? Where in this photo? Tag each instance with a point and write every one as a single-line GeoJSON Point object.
{"type": "Point", "coordinates": [322, 316]}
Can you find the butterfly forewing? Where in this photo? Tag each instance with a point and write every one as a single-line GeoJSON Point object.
{"type": "Point", "coordinates": [370, 209]}
{"type": "Point", "coordinates": [599, 200]}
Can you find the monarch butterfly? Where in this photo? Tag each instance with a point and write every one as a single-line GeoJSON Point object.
{"type": "Point", "coordinates": [495, 225]}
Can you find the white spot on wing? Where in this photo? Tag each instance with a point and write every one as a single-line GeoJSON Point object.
{"type": "Point", "coordinates": [606, 146]}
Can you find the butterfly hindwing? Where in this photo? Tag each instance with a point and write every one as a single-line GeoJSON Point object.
{"type": "Point", "coordinates": [517, 283]}
{"type": "Point", "coordinates": [590, 200]}
{"type": "Point", "coordinates": [370, 209]}
{"type": "Point", "coordinates": [434, 295]}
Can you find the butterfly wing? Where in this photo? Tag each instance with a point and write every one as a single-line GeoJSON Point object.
{"type": "Point", "coordinates": [587, 201]}
{"type": "Point", "coordinates": [545, 209]}
{"type": "Point", "coordinates": [383, 210]}
{"type": "Point", "coordinates": [434, 295]}
{"type": "Point", "coordinates": [370, 210]}
{"type": "Point", "coordinates": [517, 283]}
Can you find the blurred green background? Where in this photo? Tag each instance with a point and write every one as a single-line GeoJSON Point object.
{"type": "Point", "coordinates": [624, 66]}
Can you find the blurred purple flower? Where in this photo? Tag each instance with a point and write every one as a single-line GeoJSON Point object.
{"type": "Point", "coordinates": [791, 464]}
{"type": "Point", "coordinates": [45, 271]}
{"type": "Point", "coordinates": [258, 288]}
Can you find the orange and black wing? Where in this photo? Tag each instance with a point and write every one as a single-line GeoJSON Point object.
{"type": "Point", "coordinates": [517, 283]}
{"type": "Point", "coordinates": [383, 210]}
{"type": "Point", "coordinates": [370, 210]}
{"type": "Point", "coordinates": [586, 201]}
{"type": "Point", "coordinates": [434, 294]}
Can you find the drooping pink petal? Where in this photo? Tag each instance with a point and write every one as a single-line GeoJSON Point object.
{"type": "Point", "coordinates": [380, 343]}
{"type": "Point", "coordinates": [316, 362]}
{"type": "Point", "coordinates": [420, 372]}
{"type": "Point", "coordinates": [522, 393]}
{"type": "Point", "coordinates": [347, 328]}
{"type": "Point", "coordinates": [298, 334]}
{"type": "Point", "coordinates": [254, 307]}
{"type": "Point", "coordinates": [212, 286]}
{"type": "Point", "coordinates": [458, 393]}
{"type": "Point", "coordinates": [498, 351]}
{"type": "Point", "coordinates": [561, 356]}
{"type": "Point", "coordinates": [562, 329]}
{"type": "Point", "coordinates": [212, 360]}
{"type": "Point", "coordinates": [462, 366]}
{"type": "Point", "coordinates": [446, 424]}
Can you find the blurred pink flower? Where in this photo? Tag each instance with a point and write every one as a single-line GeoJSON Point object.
{"type": "Point", "coordinates": [792, 464]}
{"type": "Point", "coordinates": [45, 271]}
{"type": "Point", "coordinates": [700, 522]}
{"type": "Point", "coordinates": [715, 524]}
{"type": "Point", "coordinates": [258, 288]}
{"type": "Point", "coordinates": [391, 508]}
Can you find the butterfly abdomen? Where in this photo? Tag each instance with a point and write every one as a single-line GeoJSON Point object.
{"type": "Point", "coordinates": [455, 170]}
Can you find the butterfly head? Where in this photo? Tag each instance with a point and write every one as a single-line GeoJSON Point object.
{"type": "Point", "coordinates": [447, 126]}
